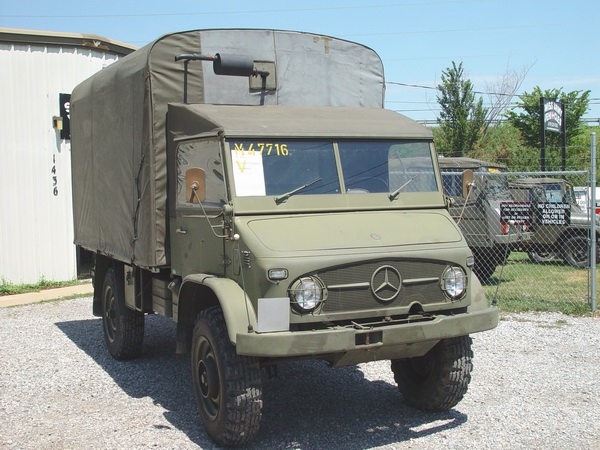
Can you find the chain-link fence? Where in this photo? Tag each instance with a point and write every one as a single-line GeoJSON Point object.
{"type": "Point", "coordinates": [530, 232]}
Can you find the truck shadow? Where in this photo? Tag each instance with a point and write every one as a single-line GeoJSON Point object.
{"type": "Point", "coordinates": [306, 404]}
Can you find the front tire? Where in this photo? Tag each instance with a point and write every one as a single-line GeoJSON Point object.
{"type": "Point", "coordinates": [575, 251]}
{"type": "Point", "coordinates": [485, 265]}
{"type": "Point", "coordinates": [438, 380]}
{"type": "Point", "coordinates": [123, 328]}
{"type": "Point", "coordinates": [227, 386]}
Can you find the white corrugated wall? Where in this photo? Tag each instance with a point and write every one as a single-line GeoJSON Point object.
{"type": "Point", "coordinates": [36, 221]}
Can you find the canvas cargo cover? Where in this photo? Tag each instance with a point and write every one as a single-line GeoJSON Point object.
{"type": "Point", "coordinates": [118, 119]}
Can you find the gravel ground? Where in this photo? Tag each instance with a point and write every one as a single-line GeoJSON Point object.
{"type": "Point", "coordinates": [535, 384]}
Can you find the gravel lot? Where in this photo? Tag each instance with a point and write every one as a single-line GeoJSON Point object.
{"type": "Point", "coordinates": [536, 384]}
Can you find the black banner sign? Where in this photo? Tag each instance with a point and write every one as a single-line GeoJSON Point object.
{"type": "Point", "coordinates": [554, 213]}
{"type": "Point", "coordinates": [553, 115]}
{"type": "Point", "coordinates": [514, 212]}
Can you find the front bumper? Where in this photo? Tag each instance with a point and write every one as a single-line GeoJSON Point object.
{"type": "Point", "coordinates": [391, 341]}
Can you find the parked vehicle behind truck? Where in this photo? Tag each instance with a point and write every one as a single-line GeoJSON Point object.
{"type": "Point", "coordinates": [566, 235]}
{"type": "Point", "coordinates": [248, 184]}
{"type": "Point", "coordinates": [479, 214]}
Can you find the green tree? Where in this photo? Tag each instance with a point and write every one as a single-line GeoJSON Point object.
{"type": "Point", "coordinates": [528, 122]}
{"type": "Point", "coordinates": [462, 120]}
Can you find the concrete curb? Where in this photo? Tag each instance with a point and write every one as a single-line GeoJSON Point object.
{"type": "Point", "coordinates": [45, 295]}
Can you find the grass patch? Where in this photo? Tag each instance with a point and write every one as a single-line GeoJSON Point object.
{"type": "Point", "coordinates": [539, 305]}
{"type": "Point", "coordinates": [7, 288]}
{"type": "Point", "coordinates": [524, 286]}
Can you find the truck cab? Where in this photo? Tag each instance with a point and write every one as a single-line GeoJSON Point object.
{"type": "Point", "coordinates": [324, 218]}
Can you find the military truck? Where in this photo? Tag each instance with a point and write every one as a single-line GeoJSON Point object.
{"type": "Point", "coordinates": [479, 213]}
{"type": "Point", "coordinates": [249, 184]}
{"type": "Point", "coordinates": [565, 233]}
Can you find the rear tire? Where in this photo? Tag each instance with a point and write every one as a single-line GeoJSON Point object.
{"type": "Point", "coordinates": [540, 257]}
{"type": "Point", "coordinates": [227, 386]}
{"type": "Point", "coordinates": [438, 380]}
{"type": "Point", "coordinates": [123, 328]}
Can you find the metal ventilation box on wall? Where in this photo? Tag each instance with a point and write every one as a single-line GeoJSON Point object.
{"type": "Point", "coordinates": [39, 70]}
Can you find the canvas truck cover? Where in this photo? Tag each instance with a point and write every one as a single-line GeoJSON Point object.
{"type": "Point", "coordinates": [118, 120]}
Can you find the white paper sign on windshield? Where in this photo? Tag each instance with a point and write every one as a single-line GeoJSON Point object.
{"type": "Point", "coordinates": [248, 173]}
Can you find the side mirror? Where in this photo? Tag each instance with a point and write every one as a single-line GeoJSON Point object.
{"type": "Point", "coordinates": [467, 183]}
{"type": "Point", "coordinates": [233, 65]}
{"type": "Point", "coordinates": [195, 185]}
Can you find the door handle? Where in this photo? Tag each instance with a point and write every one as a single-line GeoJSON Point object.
{"type": "Point", "coordinates": [180, 231]}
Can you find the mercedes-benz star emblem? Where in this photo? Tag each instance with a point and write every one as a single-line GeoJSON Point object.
{"type": "Point", "coordinates": [386, 283]}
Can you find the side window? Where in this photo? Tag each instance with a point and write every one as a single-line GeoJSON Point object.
{"type": "Point", "coordinates": [205, 155]}
{"type": "Point", "coordinates": [452, 183]}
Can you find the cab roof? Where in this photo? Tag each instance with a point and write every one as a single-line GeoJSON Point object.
{"type": "Point", "coordinates": [466, 163]}
{"type": "Point", "coordinates": [294, 121]}
{"type": "Point", "coordinates": [528, 182]}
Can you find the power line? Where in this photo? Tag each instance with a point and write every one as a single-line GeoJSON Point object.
{"type": "Point", "coordinates": [437, 89]}
{"type": "Point", "coordinates": [591, 101]}
{"type": "Point", "coordinates": [455, 30]}
{"type": "Point", "coordinates": [397, 83]}
{"type": "Point", "coordinates": [401, 102]}
{"type": "Point", "coordinates": [435, 121]}
{"type": "Point", "coordinates": [209, 13]}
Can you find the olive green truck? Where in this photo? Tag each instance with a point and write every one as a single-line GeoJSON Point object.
{"type": "Point", "coordinates": [250, 185]}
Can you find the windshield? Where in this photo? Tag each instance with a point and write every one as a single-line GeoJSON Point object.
{"type": "Point", "coordinates": [497, 188]}
{"type": "Point", "coordinates": [492, 184]}
{"type": "Point", "coordinates": [283, 168]}
{"type": "Point", "coordinates": [553, 193]}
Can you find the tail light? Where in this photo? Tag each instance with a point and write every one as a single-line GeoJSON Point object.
{"type": "Point", "coordinates": [520, 227]}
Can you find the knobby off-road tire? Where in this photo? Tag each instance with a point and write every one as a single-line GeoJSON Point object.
{"type": "Point", "coordinates": [227, 386]}
{"type": "Point", "coordinates": [575, 251]}
{"type": "Point", "coordinates": [438, 380]}
{"type": "Point", "coordinates": [123, 327]}
{"type": "Point", "coordinates": [487, 260]}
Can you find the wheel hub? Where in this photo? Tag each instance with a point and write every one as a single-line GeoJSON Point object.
{"type": "Point", "coordinates": [110, 314]}
{"type": "Point", "coordinates": [209, 378]}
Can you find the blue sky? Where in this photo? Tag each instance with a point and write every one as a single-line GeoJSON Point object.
{"type": "Point", "coordinates": [558, 41]}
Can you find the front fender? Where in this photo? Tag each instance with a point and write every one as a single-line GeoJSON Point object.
{"type": "Point", "coordinates": [479, 300]}
{"type": "Point", "coordinates": [240, 316]}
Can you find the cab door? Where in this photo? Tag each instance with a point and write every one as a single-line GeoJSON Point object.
{"type": "Point", "coordinates": [197, 227]}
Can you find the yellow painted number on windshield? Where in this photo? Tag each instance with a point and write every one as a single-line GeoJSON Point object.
{"type": "Point", "coordinates": [260, 147]}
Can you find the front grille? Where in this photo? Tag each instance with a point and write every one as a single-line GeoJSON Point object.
{"type": "Point", "coordinates": [350, 288]}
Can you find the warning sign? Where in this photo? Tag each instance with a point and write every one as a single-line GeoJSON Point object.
{"type": "Point", "coordinates": [514, 212]}
{"type": "Point", "coordinates": [554, 213]}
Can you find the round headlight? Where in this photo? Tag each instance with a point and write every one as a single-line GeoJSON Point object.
{"type": "Point", "coordinates": [306, 294]}
{"type": "Point", "coordinates": [454, 282]}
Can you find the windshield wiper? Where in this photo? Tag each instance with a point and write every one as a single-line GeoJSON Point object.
{"type": "Point", "coordinates": [395, 194]}
{"type": "Point", "coordinates": [283, 197]}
